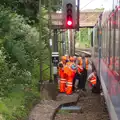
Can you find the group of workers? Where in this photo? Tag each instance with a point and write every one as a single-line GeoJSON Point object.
{"type": "Point", "coordinates": [72, 71]}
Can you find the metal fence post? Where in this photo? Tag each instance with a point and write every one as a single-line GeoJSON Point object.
{"type": "Point", "coordinates": [55, 49]}
{"type": "Point", "coordinates": [50, 46]}
{"type": "Point", "coordinates": [40, 41]}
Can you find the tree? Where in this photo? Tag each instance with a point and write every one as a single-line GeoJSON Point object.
{"type": "Point", "coordinates": [19, 63]}
{"type": "Point", "coordinates": [29, 8]}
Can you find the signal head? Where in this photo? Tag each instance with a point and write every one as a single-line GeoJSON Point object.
{"type": "Point", "coordinates": [69, 14]}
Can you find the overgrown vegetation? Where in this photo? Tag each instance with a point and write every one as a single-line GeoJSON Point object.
{"type": "Point", "coordinates": [19, 57]}
{"type": "Point", "coordinates": [83, 38]}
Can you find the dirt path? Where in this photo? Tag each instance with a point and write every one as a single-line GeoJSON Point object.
{"type": "Point", "coordinates": [92, 106]}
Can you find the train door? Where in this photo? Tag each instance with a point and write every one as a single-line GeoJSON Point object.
{"type": "Point", "coordinates": [99, 31]}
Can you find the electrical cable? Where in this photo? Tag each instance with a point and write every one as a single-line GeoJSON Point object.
{"type": "Point", "coordinates": [87, 4]}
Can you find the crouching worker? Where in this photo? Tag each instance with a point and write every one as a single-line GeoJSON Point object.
{"type": "Point", "coordinates": [92, 79]}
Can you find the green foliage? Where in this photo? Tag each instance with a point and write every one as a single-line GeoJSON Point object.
{"type": "Point", "coordinates": [19, 64]}
{"type": "Point", "coordinates": [29, 8]}
{"type": "Point", "coordinates": [99, 9]}
{"type": "Point", "coordinates": [82, 38]}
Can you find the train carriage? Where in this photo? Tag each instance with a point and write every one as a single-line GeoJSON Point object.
{"type": "Point", "coordinates": [106, 55]}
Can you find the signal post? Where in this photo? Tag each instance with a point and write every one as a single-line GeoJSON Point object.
{"type": "Point", "coordinates": [69, 21]}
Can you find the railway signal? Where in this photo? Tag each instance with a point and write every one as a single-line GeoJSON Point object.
{"type": "Point", "coordinates": [69, 14]}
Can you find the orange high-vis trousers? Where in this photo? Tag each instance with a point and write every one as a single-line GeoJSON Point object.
{"type": "Point", "coordinates": [69, 85]}
{"type": "Point", "coordinates": [70, 78]}
{"type": "Point", "coordinates": [62, 83]}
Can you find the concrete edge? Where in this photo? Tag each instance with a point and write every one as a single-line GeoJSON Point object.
{"type": "Point", "coordinates": [58, 108]}
{"type": "Point", "coordinates": [63, 104]}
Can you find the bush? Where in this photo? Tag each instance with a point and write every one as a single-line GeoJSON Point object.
{"type": "Point", "coordinates": [19, 65]}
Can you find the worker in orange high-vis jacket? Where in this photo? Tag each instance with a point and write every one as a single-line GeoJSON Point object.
{"type": "Point", "coordinates": [70, 76]}
{"type": "Point", "coordinates": [67, 70]}
{"type": "Point", "coordinates": [61, 64]}
{"type": "Point", "coordinates": [92, 79]}
{"type": "Point", "coordinates": [62, 82]}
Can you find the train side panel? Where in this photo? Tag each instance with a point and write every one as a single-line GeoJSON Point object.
{"type": "Point", "coordinates": [110, 60]}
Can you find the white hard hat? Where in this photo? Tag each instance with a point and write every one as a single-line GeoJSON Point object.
{"type": "Point", "coordinates": [66, 55]}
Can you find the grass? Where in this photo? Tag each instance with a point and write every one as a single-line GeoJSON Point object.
{"type": "Point", "coordinates": [82, 44]}
{"type": "Point", "coordinates": [63, 112]}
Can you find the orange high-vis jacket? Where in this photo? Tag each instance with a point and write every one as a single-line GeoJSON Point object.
{"type": "Point", "coordinates": [68, 70]}
{"type": "Point", "coordinates": [86, 62]}
{"type": "Point", "coordinates": [93, 80]}
{"type": "Point", "coordinates": [79, 69]}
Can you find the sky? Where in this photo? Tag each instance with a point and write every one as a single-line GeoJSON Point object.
{"type": "Point", "coordinates": [94, 4]}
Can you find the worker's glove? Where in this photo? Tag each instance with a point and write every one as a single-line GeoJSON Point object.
{"type": "Point", "coordinates": [79, 73]}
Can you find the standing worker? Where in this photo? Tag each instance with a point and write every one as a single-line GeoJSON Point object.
{"type": "Point", "coordinates": [70, 76]}
{"type": "Point", "coordinates": [70, 71]}
{"type": "Point", "coordinates": [84, 65]}
{"type": "Point", "coordinates": [62, 82]}
{"type": "Point", "coordinates": [79, 82]}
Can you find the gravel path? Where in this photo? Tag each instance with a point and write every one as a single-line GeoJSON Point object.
{"type": "Point", "coordinates": [92, 107]}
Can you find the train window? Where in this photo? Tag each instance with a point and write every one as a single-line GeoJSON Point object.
{"type": "Point", "coordinates": [95, 42]}
{"type": "Point", "coordinates": [92, 38]}
{"type": "Point", "coordinates": [109, 39]}
{"type": "Point", "coordinates": [117, 43]}
{"type": "Point", "coordinates": [102, 42]}
{"type": "Point", "coordinates": [118, 17]}
{"type": "Point", "coordinates": [106, 41]}
{"type": "Point", "coordinates": [113, 17]}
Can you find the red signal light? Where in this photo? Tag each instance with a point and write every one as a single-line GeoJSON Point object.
{"type": "Point", "coordinates": [69, 19]}
{"type": "Point", "coordinates": [69, 23]}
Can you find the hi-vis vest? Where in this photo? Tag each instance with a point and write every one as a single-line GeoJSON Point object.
{"type": "Point", "coordinates": [68, 70]}
{"type": "Point", "coordinates": [93, 80]}
{"type": "Point", "coordinates": [86, 63]}
{"type": "Point", "coordinates": [79, 69]}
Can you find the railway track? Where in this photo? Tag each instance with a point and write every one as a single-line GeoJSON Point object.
{"type": "Point", "coordinates": [79, 52]}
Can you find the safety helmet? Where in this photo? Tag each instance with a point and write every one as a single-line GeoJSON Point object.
{"type": "Point", "coordinates": [75, 58]}
{"type": "Point", "coordinates": [79, 58]}
{"type": "Point", "coordinates": [71, 59]}
{"type": "Point", "coordinates": [63, 58]}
